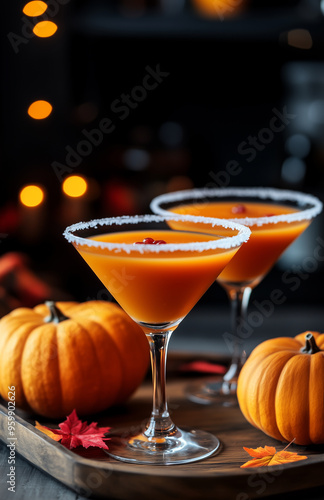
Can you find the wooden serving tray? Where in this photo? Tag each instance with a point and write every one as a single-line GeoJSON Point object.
{"type": "Point", "coordinates": [93, 473]}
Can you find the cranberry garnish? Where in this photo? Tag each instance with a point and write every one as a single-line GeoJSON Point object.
{"type": "Point", "coordinates": [150, 241]}
{"type": "Point", "coordinates": [238, 209]}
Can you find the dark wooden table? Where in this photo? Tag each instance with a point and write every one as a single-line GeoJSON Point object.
{"type": "Point", "coordinates": [34, 484]}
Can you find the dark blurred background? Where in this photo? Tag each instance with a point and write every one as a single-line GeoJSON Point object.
{"type": "Point", "coordinates": [149, 96]}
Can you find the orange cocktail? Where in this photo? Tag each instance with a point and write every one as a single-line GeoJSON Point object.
{"type": "Point", "coordinates": [157, 275]}
{"type": "Point", "coordinates": [158, 287]}
{"type": "Point", "coordinates": [276, 218]}
{"type": "Point", "coordinates": [266, 243]}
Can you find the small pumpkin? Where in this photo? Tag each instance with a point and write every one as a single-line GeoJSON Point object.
{"type": "Point", "coordinates": [280, 388]}
{"type": "Point", "coordinates": [65, 355]}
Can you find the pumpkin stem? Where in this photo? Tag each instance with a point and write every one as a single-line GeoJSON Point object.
{"type": "Point", "coordinates": [56, 316]}
{"type": "Point", "coordinates": [310, 345]}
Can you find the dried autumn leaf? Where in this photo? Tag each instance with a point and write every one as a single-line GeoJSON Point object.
{"type": "Point", "coordinates": [73, 432]}
{"type": "Point", "coordinates": [268, 456]}
{"type": "Point", "coordinates": [49, 432]}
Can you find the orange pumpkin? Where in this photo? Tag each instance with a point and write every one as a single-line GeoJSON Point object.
{"type": "Point", "coordinates": [67, 355]}
{"type": "Point", "coordinates": [280, 388]}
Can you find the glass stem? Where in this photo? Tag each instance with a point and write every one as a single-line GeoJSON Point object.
{"type": "Point", "coordinates": [239, 299]}
{"type": "Point", "coordinates": [160, 423]}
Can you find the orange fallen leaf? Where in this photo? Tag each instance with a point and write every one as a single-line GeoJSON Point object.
{"type": "Point", "coordinates": [47, 431]}
{"type": "Point", "coordinates": [268, 456]}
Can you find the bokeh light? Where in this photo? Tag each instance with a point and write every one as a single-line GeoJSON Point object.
{"type": "Point", "coordinates": [39, 109]}
{"type": "Point", "coordinates": [300, 38]}
{"type": "Point", "coordinates": [293, 170]}
{"type": "Point", "coordinates": [35, 8]}
{"type": "Point", "coordinates": [75, 186]}
{"type": "Point", "coordinates": [136, 159]}
{"type": "Point", "coordinates": [298, 145]}
{"type": "Point", "coordinates": [219, 9]}
{"type": "Point", "coordinates": [44, 29]}
{"type": "Point", "coordinates": [171, 134]}
{"type": "Point", "coordinates": [31, 195]}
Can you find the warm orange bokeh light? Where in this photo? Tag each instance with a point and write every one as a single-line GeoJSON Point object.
{"type": "Point", "coordinates": [31, 196]}
{"type": "Point", "coordinates": [44, 29]}
{"type": "Point", "coordinates": [219, 9]}
{"type": "Point", "coordinates": [35, 8]}
{"type": "Point", "coordinates": [39, 110]}
{"type": "Point", "coordinates": [75, 186]}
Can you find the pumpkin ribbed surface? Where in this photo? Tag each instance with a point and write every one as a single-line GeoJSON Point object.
{"type": "Point", "coordinates": [94, 358]}
{"type": "Point", "coordinates": [281, 388]}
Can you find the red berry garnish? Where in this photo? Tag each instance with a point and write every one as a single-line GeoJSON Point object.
{"type": "Point", "coordinates": [238, 209]}
{"type": "Point", "coordinates": [150, 241]}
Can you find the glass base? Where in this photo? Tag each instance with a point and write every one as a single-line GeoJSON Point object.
{"type": "Point", "coordinates": [181, 447]}
{"type": "Point", "coordinates": [215, 391]}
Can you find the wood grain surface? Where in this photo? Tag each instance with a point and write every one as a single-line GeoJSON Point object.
{"type": "Point", "coordinates": [92, 473]}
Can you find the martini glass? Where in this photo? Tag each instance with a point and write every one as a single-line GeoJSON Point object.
{"type": "Point", "coordinates": [276, 218]}
{"type": "Point", "coordinates": [165, 272]}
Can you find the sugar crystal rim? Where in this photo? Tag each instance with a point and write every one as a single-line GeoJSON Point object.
{"type": "Point", "coordinates": [259, 192]}
{"type": "Point", "coordinates": [225, 242]}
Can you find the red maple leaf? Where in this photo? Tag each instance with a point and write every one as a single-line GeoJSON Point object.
{"type": "Point", "coordinates": [73, 432]}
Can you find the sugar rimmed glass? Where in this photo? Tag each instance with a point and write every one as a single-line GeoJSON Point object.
{"type": "Point", "coordinates": [164, 281]}
{"type": "Point", "coordinates": [282, 216]}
